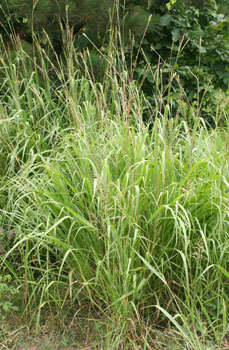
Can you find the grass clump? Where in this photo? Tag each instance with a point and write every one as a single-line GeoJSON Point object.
{"type": "Point", "coordinates": [125, 220]}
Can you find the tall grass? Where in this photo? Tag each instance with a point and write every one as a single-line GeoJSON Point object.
{"type": "Point", "coordinates": [103, 212]}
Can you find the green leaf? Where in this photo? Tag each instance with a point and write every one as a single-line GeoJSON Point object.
{"type": "Point", "coordinates": [225, 272]}
{"type": "Point", "coordinates": [226, 78]}
{"type": "Point", "coordinates": [182, 330]}
{"type": "Point", "coordinates": [165, 20]}
{"type": "Point", "coordinates": [7, 306]}
{"type": "Point", "coordinates": [80, 218]}
{"type": "Point", "coordinates": [151, 268]}
{"type": "Point", "coordinates": [202, 49]}
{"type": "Point", "coordinates": [175, 34]}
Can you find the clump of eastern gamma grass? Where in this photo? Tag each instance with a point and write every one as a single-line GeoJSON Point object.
{"type": "Point", "coordinates": [109, 214]}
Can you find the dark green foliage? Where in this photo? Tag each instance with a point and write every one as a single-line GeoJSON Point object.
{"type": "Point", "coordinates": [192, 43]}
{"type": "Point", "coordinates": [38, 17]}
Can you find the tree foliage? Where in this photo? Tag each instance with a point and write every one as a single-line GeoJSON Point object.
{"type": "Point", "coordinates": [191, 39]}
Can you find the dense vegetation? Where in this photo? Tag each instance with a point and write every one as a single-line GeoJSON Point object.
{"type": "Point", "coordinates": [186, 40]}
{"type": "Point", "coordinates": [105, 219]}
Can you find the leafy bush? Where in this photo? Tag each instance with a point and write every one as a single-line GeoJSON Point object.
{"type": "Point", "coordinates": [6, 291]}
{"type": "Point", "coordinates": [190, 40]}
